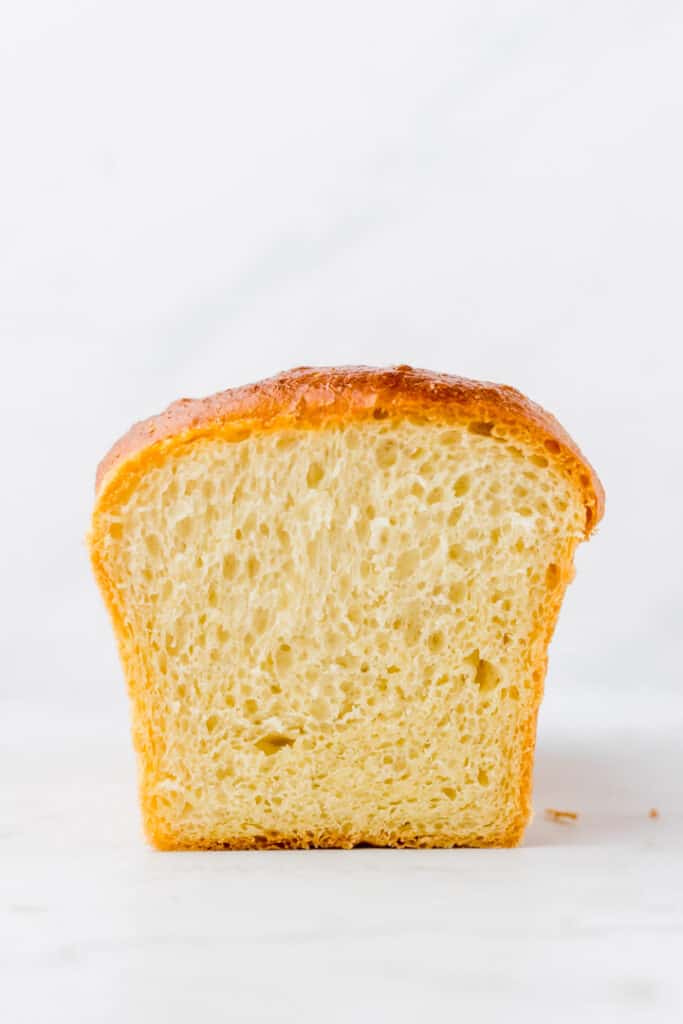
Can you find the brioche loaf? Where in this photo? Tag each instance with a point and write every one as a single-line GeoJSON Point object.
{"type": "Point", "coordinates": [333, 593]}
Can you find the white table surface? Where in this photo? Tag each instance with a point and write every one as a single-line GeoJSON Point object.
{"type": "Point", "coordinates": [584, 921]}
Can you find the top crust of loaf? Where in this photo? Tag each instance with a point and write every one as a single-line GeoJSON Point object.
{"type": "Point", "coordinates": [319, 397]}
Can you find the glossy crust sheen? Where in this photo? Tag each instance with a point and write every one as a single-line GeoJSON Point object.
{"type": "Point", "coordinates": [311, 397]}
{"type": "Point", "coordinates": [316, 398]}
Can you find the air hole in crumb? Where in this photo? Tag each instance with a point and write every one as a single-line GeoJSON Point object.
{"type": "Point", "coordinates": [427, 469]}
{"type": "Point", "coordinates": [184, 528]}
{"type": "Point", "coordinates": [284, 657]}
{"type": "Point", "coordinates": [412, 631]}
{"type": "Point", "coordinates": [260, 620]}
{"type": "Point", "coordinates": [539, 460]}
{"type": "Point", "coordinates": [320, 709]}
{"type": "Point", "coordinates": [211, 723]}
{"type": "Point", "coordinates": [483, 777]}
{"type": "Point", "coordinates": [286, 441]}
{"type": "Point", "coordinates": [449, 437]}
{"type": "Point", "coordinates": [172, 489]}
{"type": "Point", "coordinates": [456, 552]}
{"type": "Point", "coordinates": [487, 676]}
{"type": "Point", "coordinates": [449, 792]}
{"type": "Point", "coordinates": [362, 529]}
{"type": "Point", "coordinates": [283, 537]}
{"type": "Point", "coordinates": [407, 563]}
{"type": "Point", "coordinates": [454, 515]}
{"type": "Point", "coordinates": [153, 545]}
{"type": "Point", "coordinates": [386, 454]}
{"type": "Point", "coordinates": [436, 642]}
{"type": "Point", "coordinates": [273, 743]}
{"type": "Point", "coordinates": [315, 474]}
{"type": "Point", "coordinates": [462, 485]}
{"type": "Point", "coordinates": [552, 446]}
{"type": "Point", "coordinates": [229, 566]}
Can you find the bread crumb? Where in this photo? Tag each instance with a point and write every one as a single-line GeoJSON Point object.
{"type": "Point", "coordinates": [561, 817]}
{"type": "Point", "coordinates": [654, 813]}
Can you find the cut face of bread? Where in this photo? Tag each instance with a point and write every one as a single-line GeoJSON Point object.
{"type": "Point", "coordinates": [333, 598]}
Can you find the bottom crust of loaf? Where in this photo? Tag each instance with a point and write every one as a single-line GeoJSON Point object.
{"type": "Point", "coordinates": [162, 840]}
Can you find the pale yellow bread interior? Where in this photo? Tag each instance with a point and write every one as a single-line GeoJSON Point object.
{"type": "Point", "coordinates": [338, 635]}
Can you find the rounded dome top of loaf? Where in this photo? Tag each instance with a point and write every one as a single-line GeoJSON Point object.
{"type": "Point", "coordinates": [321, 397]}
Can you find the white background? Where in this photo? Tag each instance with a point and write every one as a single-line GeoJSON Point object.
{"type": "Point", "coordinates": [193, 196]}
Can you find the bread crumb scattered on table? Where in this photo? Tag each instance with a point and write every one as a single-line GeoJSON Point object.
{"type": "Point", "coordinates": [654, 813]}
{"type": "Point", "coordinates": [562, 817]}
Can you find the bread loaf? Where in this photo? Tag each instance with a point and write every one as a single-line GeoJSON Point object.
{"type": "Point", "coordinates": [333, 593]}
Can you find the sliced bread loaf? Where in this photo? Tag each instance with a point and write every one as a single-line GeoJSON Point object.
{"type": "Point", "coordinates": [333, 593]}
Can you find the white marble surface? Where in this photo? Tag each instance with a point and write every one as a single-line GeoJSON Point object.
{"type": "Point", "coordinates": [197, 195]}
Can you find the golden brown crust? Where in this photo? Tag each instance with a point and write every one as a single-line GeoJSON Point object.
{"type": "Point", "coordinates": [315, 399]}
{"type": "Point", "coordinates": [310, 398]}
{"type": "Point", "coordinates": [332, 841]}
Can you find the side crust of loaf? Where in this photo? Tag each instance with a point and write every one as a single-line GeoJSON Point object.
{"type": "Point", "coordinates": [316, 399]}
